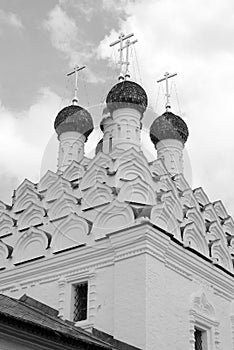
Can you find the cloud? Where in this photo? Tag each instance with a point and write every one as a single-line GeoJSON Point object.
{"type": "Point", "coordinates": [192, 39]}
{"type": "Point", "coordinates": [68, 38]}
{"type": "Point", "coordinates": [23, 139]}
{"type": "Point", "coordinates": [11, 19]}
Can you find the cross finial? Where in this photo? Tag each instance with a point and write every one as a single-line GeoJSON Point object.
{"type": "Point", "coordinates": [75, 71]}
{"type": "Point", "coordinates": [166, 77]}
{"type": "Point", "coordinates": [124, 73]}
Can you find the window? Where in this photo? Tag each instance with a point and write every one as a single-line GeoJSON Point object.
{"type": "Point", "coordinates": [200, 337]}
{"type": "Point", "coordinates": [80, 301]}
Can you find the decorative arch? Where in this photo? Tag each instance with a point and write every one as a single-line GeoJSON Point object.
{"type": "Point", "coordinates": [158, 168]}
{"type": "Point", "coordinates": [47, 180]}
{"type": "Point", "coordinates": [228, 226]}
{"type": "Point", "coordinates": [62, 206]}
{"type": "Point", "coordinates": [188, 199]}
{"type": "Point", "coordinates": [97, 195]}
{"type": "Point", "coordinates": [209, 213]}
{"type": "Point", "coordinates": [131, 154]}
{"type": "Point", "coordinates": [32, 244]}
{"type": "Point", "coordinates": [57, 189]}
{"type": "Point", "coordinates": [101, 159]}
{"type": "Point", "coordinates": [215, 232]}
{"type": "Point", "coordinates": [221, 256]}
{"type": "Point", "coordinates": [113, 217]}
{"type": "Point", "coordinates": [25, 199]}
{"type": "Point", "coordinates": [194, 215]}
{"type": "Point", "coordinates": [32, 216]}
{"type": "Point", "coordinates": [202, 315]}
{"type": "Point", "coordinates": [74, 171]}
{"type": "Point", "coordinates": [170, 185]}
{"type": "Point", "coordinates": [137, 191]}
{"type": "Point", "coordinates": [201, 196]}
{"type": "Point", "coordinates": [132, 169]}
{"type": "Point", "coordinates": [6, 224]}
{"type": "Point", "coordinates": [23, 186]}
{"type": "Point", "coordinates": [161, 217]}
{"type": "Point", "coordinates": [220, 209]}
{"type": "Point", "coordinates": [180, 182]}
{"type": "Point", "coordinates": [173, 205]}
{"type": "Point", "coordinates": [3, 206]}
{"type": "Point", "coordinates": [70, 232]}
{"type": "Point", "coordinates": [194, 238]}
{"type": "Point", "coordinates": [5, 253]}
{"type": "Point", "coordinates": [92, 176]}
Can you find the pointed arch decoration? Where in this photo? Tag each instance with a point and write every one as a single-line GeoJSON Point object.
{"type": "Point", "coordinates": [158, 168]}
{"type": "Point", "coordinates": [173, 204]}
{"type": "Point", "coordinates": [115, 216]}
{"type": "Point", "coordinates": [57, 189]}
{"type": "Point", "coordinates": [97, 195]}
{"type": "Point", "coordinates": [25, 199]}
{"type": "Point", "coordinates": [129, 155]}
{"type": "Point", "coordinates": [137, 191]}
{"type": "Point", "coordinates": [201, 196]}
{"type": "Point", "coordinates": [194, 238]}
{"type": "Point", "coordinates": [129, 170]}
{"type": "Point", "coordinates": [69, 233]}
{"type": "Point", "coordinates": [74, 171]}
{"type": "Point", "coordinates": [161, 217]}
{"type": "Point", "coordinates": [63, 206]}
{"type": "Point", "coordinates": [188, 199]}
{"type": "Point", "coordinates": [32, 244]}
{"type": "Point", "coordinates": [92, 176]}
{"type": "Point", "coordinates": [32, 216]}
{"type": "Point", "coordinates": [23, 186]}
{"type": "Point", "coordinates": [47, 181]}
{"type": "Point", "coordinates": [6, 225]}
{"type": "Point", "coordinates": [101, 159]}
{"type": "Point", "coordinates": [180, 182]}
{"type": "Point", "coordinates": [194, 215]}
{"type": "Point", "coordinates": [220, 209]}
{"type": "Point", "coordinates": [221, 256]}
{"type": "Point", "coordinates": [202, 315]}
{"type": "Point", "coordinates": [209, 213]}
{"type": "Point", "coordinates": [5, 253]}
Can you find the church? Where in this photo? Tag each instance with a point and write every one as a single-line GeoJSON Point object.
{"type": "Point", "coordinates": [116, 243]}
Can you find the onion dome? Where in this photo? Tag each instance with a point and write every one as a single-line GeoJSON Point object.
{"type": "Point", "coordinates": [74, 118]}
{"type": "Point", "coordinates": [127, 94]}
{"type": "Point", "coordinates": [168, 126]}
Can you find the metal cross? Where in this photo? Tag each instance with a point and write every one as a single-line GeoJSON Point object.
{"type": "Point", "coordinates": [166, 77]}
{"type": "Point", "coordinates": [122, 37]}
{"type": "Point", "coordinates": [75, 71]}
{"type": "Point", "coordinates": [128, 43]}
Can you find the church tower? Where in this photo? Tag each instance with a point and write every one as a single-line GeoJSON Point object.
{"type": "Point", "coordinates": [120, 244]}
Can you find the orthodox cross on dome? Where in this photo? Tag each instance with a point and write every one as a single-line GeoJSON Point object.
{"type": "Point", "coordinates": [124, 73]}
{"type": "Point", "coordinates": [166, 77]}
{"type": "Point", "coordinates": [75, 71]}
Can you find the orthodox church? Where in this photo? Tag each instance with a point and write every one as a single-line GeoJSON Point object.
{"type": "Point", "coordinates": [120, 244]}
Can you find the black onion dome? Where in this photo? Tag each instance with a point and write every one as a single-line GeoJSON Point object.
{"type": "Point", "coordinates": [168, 126]}
{"type": "Point", "coordinates": [127, 94]}
{"type": "Point", "coordinates": [74, 118]}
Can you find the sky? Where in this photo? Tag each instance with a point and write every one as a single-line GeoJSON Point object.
{"type": "Point", "coordinates": [41, 41]}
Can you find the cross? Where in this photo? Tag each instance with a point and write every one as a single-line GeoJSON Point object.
{"type": "Point", "coordinates": [75, 71]}
{"type": "Point", "coordinates": [128, 43]}
{"type": "Point", "coordinates": [166, 77]}
{"type": "Point", "coordinates": [122, 37]}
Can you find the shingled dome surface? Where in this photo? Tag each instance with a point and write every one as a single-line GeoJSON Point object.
{"type": "Point", "coordinates": [127, 94]}
{"type": "Point", "coordinates": [74, 118]}
{"type": "Point", "coordinates": [168, 126]}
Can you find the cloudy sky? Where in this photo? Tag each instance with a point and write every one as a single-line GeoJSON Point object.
{"type": "Point", "coordinates": [42, 40]}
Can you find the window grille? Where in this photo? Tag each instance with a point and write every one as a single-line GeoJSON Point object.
{"type": "Point", "coordinates": [198, 339]}
{"type": "Point", "coordinates": [80, 301]}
